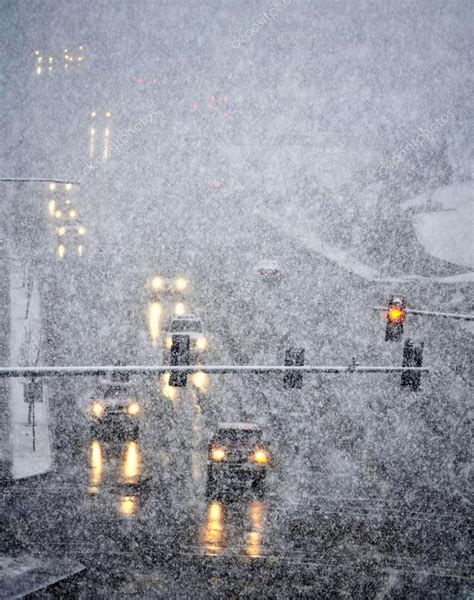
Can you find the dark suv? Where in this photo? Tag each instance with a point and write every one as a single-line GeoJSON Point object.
{"type": "Point", "coordinates": [237, 457]}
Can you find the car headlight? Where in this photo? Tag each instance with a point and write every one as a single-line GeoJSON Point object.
{"type": "Point", "coordinates": [260, 457]}
{"type": "Point", "coordinates": [97, 409]}
{"type": "Point", "coordinates": [201, 343]}
{"type": "Point", "coordinates": [169, 342]}
{"type": "Point", "coordinates": [181, 284]}
{"type": "Point", "coordinates": [179, 309]}
{"type": "Point", "coordinates": [157, 283]}
{"type": "Point", "coordinates": [218, 454]}
{"type": "Point", "coordinates": [134, 409]}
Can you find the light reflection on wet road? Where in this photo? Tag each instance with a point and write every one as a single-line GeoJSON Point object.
{"type": "Point", "coordinates": [234, 528]}
{"type": "Point", "coordinates": [115, 469]}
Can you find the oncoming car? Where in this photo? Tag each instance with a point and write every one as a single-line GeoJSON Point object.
{"type": "Point", "coordinates": [268, 270]}
{"type": "Point", "coordinates": [62, 210]}
{"type": "Point", "coordinates": [161, 285]}
{"type": "Point", "coordinates": [186, 325]}
{"type": "Point", "coordinates": [237, 458]}
{"type": "Point", "coordinates": [70, 240]}
{"type": "Point", "coordinates": [114, 411]}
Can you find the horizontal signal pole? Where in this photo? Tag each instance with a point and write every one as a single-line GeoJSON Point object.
{"type": "Point", "coordinates": [36, 180]}
{"type": "Point", "coordinates": [430, 313]}
{"type": "Point", "coordinates": [90, 371]}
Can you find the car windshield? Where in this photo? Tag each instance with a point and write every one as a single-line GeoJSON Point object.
{"type": "Point", "coordinates": [238, 437]}
{"type": "Point", "coordinates": [186, 325]}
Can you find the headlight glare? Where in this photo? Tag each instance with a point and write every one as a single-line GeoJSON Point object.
{"type": "Point", "coordinates": [98, 409]}
{"type": "Point", "coordinates": [201, 343]}
{"type": "Point", "coordinates": [260, 457]}
{"type": "Point", "coordinates": [134, 409]}
{"type": "Point", "coordinates": [218, 454]}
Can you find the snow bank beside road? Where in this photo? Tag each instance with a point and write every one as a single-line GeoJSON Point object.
{"type": "Point", "coordinates": [445, 226]}
{"type": "Point", "coordinates": [25, 327]}
{"type": "Point", "coordinates": [445, 234]}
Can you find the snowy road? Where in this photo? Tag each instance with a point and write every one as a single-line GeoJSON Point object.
{"type": "Point", "coordinates": [333, 493]}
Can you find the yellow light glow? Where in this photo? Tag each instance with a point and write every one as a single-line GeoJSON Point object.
{"type": "Point", "coordinates": [134, 409]}
{"type": "Point", "coordinates": [68, 186]}
{"type": "Point", "coordinates": [79, 58]}
{"type": "Point", "coordinates": [108, 114]}
{"type": "Point", "coordinates": [81, 230]}
{"type": "Point", "coordinates": [51, 208]}
{"type": "Point", "coordinates": [179, 309]}
{"type": "Point", "coordinates": [218, 454]}
{"type": "Point", "coordinates": [106, 143]}
{"type": "Point", "coordinates": [97, 409]}
{"type": "Point", "coordinates": [58, 213]}
{"type": "Point", "coordinates": [65, 50]}
{"type": "Point", "coordinates": [50, 59]}
{"type": "Point", "coordinates": [131, 465]}
{"type": "Point", "coordinates": [201, 380]}
{"type": "Point", "coordinates": [40, 59]}
{"type": "Point", "coordinates": [128, 506]}
{"type": "Point", "coordinates": [213, 534]}
{"type": "Point", "coordinates": [61, 230]}
{"type": "Point", "coordinates": [155, 312]}
{"type": "Point", "coordinates": [96, 462]}
{"type": "Point", "coordinates": [169, 342]}
{"type": "Point", "coordinates": [81, 47]}
{"type": "Point", "coordinates": [201, 343]}
{"type": "Point", "coordinates": [260, 457]}
{"type": "Point", "coordinates": [181, 284]}
{"type": "Point", "coordinates": [61, 250]}
{"type": "Point", "coordinates": [254, 537]}
{"type": "Point", "coordinates": [93, 113]}
{"type": "Point", "coordinates": [168, 390]}
{"type": "Point", "coordinates": [80, 250]}
{"type": "Point", "coordinates": [38, 70]}
{"type": "Point", "coordinates": [72, 213]}
{"type": "Point", "coordinates": [36, 52]}
{"type": "Point", "coordinates": [92, 142]}
{"type": "Point", "coordinates": [396, 314]}
{"type": "Point", "coordinates": [157, 283]}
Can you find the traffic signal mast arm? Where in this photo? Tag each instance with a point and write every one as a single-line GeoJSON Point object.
{"type": "Point", "coordinates": [90, 371]}
{"type": "Point", "coordinates": [36, 180]}
{"type": "Point", "coordinates": [430, 313]}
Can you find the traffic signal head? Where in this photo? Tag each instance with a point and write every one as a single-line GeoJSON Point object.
{"type": "Point", "coordinates": [179, 355]}
{"type": "Point", "coordinates": [395, 314]}
{"type": "Point", "coordinates": [412, 357]}
{"type": "Point", "coordinates": [294, 357]}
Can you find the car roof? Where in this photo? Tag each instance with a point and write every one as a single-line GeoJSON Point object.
{"type": "Point", "coordinates": [239, 426]}
{"type": "Point", "coordinates": [186, 317]}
